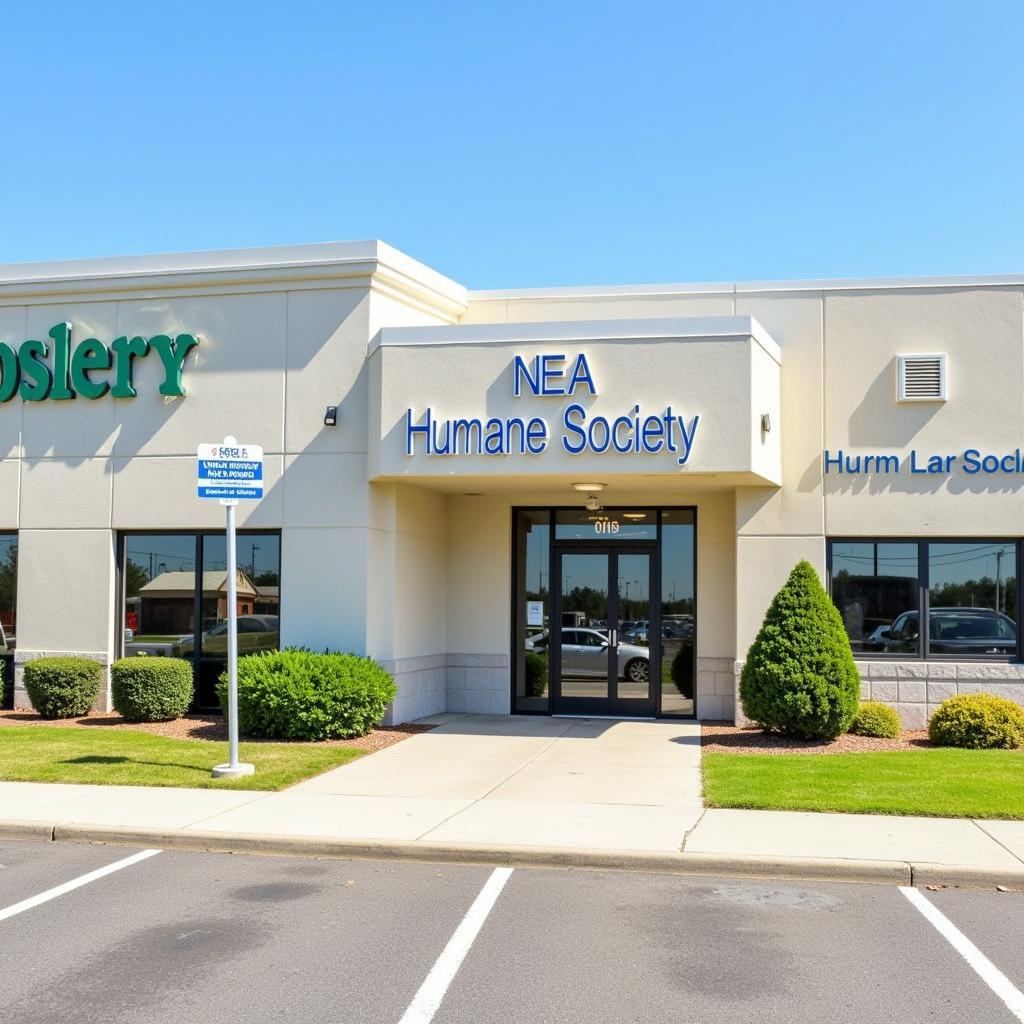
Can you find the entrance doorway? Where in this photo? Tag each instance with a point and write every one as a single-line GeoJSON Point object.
{"type": "Point", "coordinates": [604, 617]}
{"type": "Point", "coordinates": [604, 663]}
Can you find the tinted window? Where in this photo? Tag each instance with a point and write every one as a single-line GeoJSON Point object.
{"type": "Point", "coordinates": [532, 609]}
{"type": "Point", "coordinates": [971, 586]}
{"type": "Point", "coordinates": [678, 611]}
{"type": "Point", "coordinates": [872, 585]}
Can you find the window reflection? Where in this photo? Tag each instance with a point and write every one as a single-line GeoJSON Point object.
{"type": "Point", "coordinates": [532, 610]}
{"type": "Point", "coordinates": [972, 598]}
{"type": "Point", "coordinates": [875, 588]}
{"type": "Point", "coordinates": [159, 592]}
{"type": "Point", "coordinates": [256, 605]}
{"type": "Point", "coordinates": [678, 612]}
{"type": "Point", "coordinates": [166, 603]}
{"type": "Point", "coordinates": [8, 615]}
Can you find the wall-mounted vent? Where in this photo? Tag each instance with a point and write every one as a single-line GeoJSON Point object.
{"type": "Point", "coordinates": [921, 378]}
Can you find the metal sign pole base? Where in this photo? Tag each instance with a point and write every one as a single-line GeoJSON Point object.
{"type": "Point", "coordinates": [233, 771]}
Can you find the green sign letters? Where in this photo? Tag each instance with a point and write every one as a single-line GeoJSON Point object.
{"type": "Point", "coordinates": [91, 369]}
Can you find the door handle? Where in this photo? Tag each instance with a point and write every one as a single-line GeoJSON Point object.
{"type": "Point", "coordinates": [613, 639]}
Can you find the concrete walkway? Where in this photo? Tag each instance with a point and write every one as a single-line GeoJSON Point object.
{"type": "Point", "coordinates": [543, 790]}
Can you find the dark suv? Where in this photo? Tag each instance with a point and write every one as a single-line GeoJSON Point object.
{"type": "Point", "coordinates": [950, 631]}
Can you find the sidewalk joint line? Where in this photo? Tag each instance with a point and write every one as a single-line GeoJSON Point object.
{"type": "Point", "coordinates": [998, 842]}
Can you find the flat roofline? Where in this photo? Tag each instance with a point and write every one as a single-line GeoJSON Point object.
{"type": "Point", "coordinates": [320, 259]}
{"type": "Point", "coordinates": [714, 328]}
{"type": "Point", "coordinates": [745, 287]}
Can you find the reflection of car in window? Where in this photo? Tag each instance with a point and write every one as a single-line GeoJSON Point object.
{"type": "Point", "coordinates": [255, 633]}
{"type": "Point", "coordinates": [951, 631]}
{"type": "Point", "coordinates": [585, 653]}
{"type": "Point", "coordinates": [6, 640]}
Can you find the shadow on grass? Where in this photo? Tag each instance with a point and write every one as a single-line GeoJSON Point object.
{"type": "Point", "coordinates": [116, 759]}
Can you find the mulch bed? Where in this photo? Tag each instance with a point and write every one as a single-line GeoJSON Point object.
{"type": "Point", "coordinates": [202, 727]}
{"type": "Point", "coordinates": [726, 738]}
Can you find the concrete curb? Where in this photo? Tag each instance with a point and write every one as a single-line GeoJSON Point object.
{"type": "Point", "coordinates": [879, 872]}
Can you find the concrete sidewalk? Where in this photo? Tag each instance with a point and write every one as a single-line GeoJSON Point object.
{"type": "Point", "coordinates": [528, 790]}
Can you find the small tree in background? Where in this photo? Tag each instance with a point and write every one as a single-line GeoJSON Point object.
{"type": "Point", "coordinates": [799, 677]}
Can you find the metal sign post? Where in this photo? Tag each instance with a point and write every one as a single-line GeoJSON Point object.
{"type": "Point", "coordinates": [230, 471]}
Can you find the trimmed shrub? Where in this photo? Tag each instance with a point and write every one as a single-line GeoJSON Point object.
{"type": "Point", "coordinates": [62, 687]}
{"type": "Point", "coordinates": [978, 721]}
{"type": "Point", "coordinates": [298, 695]}
{"type": "Point", "coordinates": [536, 674]}
{"type": "Point", "coordinates": [875, 719]}
{"type": "Point", "coordinates": [799, 678]}
{"type": "Point", "coordinates": [151, 689]}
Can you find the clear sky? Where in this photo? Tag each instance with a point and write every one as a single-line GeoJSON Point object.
{"type": "Point", "coordinates": [523, 144]}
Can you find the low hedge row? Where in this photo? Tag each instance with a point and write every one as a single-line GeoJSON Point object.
{"type": "Point", "coordinates": [62, 687]}
{"type": "Point", "coordinates": [151, 689]}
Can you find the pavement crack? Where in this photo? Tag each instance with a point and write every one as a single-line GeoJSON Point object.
{"type": "Point", "coordinates": [690, 830]}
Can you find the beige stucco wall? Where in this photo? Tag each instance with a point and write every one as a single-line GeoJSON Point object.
{"type": "Point", "coordinates": [390, 556]}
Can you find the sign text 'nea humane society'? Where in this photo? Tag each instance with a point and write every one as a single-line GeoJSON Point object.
{"type": "Point", "coordinates": [635, 432]}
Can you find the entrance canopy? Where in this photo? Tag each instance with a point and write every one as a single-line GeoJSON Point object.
{"type": "Point", "coordinates": [662, 398]}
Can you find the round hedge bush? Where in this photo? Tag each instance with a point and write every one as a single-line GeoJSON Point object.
{"type": "Point", "coordinates": [875, 719]}
{"type": "Point", "coordinates": [299, 695]}
{"type": "Point", "coordinates": [800, 678]}
{"type": "Point", "coordinates": [978, 721]}
{"type": "Point", "coordinates": [62, 687]}
{"type": "Point", "coordinates": [151, 689]}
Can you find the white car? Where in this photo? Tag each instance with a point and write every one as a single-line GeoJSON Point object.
{"type": "Point", "coordinates": [585, 653]}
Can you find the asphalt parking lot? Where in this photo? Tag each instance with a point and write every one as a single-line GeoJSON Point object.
{"type": "Point", "coordinates": [184, 937]}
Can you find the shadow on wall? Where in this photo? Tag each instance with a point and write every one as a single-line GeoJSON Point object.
{"type": "Point", "coordinates": [872, 423]}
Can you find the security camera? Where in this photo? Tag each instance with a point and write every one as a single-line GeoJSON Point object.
{"type": "Point", "coordinates": [593, 503]}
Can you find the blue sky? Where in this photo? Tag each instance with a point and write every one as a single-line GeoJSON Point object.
{"type": "Point", "coordinates": [524, 144]}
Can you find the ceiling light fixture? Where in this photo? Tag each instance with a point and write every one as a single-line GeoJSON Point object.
{"type": "Point", "coordinates": [589, 487]}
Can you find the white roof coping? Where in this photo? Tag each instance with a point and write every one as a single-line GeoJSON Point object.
{"type": "Point", "coordinates": [721, 328]}
{"type": "Point", "coordinates": [745, 287]}
{"type": "Point", "coordinates": [318, 259]}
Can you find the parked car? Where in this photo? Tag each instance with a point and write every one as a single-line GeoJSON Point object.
{"type": "Point", "coordinates": [255, 633]}
{"type": "Point", "coordinates": [950, 631]}
{"type": "Point", "coordinates": [585, 653]}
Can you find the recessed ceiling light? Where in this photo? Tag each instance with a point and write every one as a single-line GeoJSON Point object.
{"type": "Point", "coordinates": [589, 487]}
{"type": "Point", "coordinates": [635, 515]}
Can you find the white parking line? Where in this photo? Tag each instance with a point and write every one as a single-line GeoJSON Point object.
{"type": "Point", "coordinates": [75, 883]}
{"type": "Point", "coordinates": [426, 1001]}
{"type": "Point", "coordinates": [982, 966]}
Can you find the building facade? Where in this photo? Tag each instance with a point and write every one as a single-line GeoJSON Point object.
{"type": "Point", "coordinates": [575, 500]}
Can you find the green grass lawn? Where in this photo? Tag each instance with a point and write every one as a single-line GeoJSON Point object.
{"type": "Point", "coordinates": [943, 782]}
{"type": "Point", "coordinates": [123, 757]}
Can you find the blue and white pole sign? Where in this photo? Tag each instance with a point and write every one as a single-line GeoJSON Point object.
{"type": "Point", "coordinates": [230, 471]}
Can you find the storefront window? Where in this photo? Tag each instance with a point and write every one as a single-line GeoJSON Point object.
{"type": "Point", "coordinates": [972, 598]}
{"type": "Point", "coordinates": [256, 596]}
{"type": "Point", "coordinates": [873, 585]}
{"type": "Point", "coordinates": [169, 609]}
{"type": "Point", "coordinates": [532, 610]}
{"type": "Point", "coordinates": [879, 588]}
{"type": "Point", "coordinates": [678, 612]}
{"type": "Point", "coordinates": [8, 615]}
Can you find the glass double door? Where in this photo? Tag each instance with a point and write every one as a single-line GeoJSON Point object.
{"type": "Point", "coordinates": [606, 659]}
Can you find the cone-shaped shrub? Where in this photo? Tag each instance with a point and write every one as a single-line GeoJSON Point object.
{"type": "Point", "coordinates": [799, 677]}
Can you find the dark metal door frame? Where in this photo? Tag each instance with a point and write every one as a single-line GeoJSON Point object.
{"type": "Point", "coordinates": [612, 704]}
